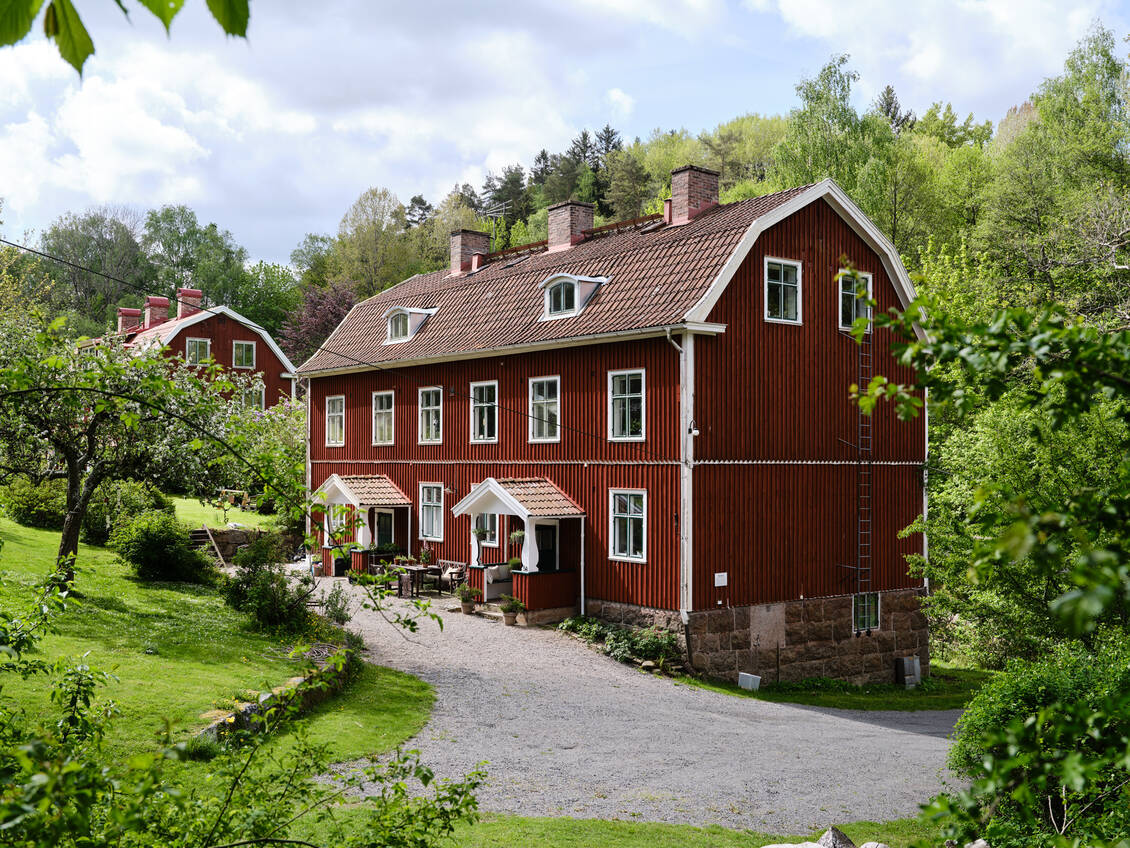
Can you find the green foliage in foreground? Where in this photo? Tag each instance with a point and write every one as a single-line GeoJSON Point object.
{"type": "Point", "coordinates": [947, 688]}
{"type": "Point", "coordinates": [625, 644]}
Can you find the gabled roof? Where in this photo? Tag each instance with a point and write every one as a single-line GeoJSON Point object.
{"type": "Point", "coordinates": [526, 497]}
{"type": "Point", "coordinates": [365, 490]}
{"type": "Point", "coordinates": [659, 276]}
{"type": "Point", "coordinates": [163, 334]}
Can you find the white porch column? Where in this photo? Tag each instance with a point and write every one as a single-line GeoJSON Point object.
{"type": "Point", "coordinates": [530, 547]}
{"type": "Point", "coordinates": [474, 539]}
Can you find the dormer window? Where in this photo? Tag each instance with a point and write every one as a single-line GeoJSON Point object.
{"type": "Point", "coordinates": [404, 322]}
{"type": "Point", "coordinates": [566, 295]}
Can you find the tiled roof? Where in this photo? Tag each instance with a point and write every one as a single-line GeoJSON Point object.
{"type": "Point", "coordinates": [375, 490]}
{"type": "Point", "coordinates": [156, 333]}
{"type": "Point", "coordinates": [656, 274]}
{"type": "Point", "coordinates": [540, 497]}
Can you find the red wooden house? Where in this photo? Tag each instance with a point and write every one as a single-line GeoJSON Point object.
{"type": "Point", "coordinates": [218, 334]}
{"type": "Point", "coordinates": [662, 406]}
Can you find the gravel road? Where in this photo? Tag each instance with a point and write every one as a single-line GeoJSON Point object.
{"type": "Point", "coordinates": [568, 732]}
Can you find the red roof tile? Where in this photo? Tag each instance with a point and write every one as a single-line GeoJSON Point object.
{"type": "Point", "coordinates": [375, 490]}
{"type": "Point", "coordinates": [655, 275]}
{"type": "Point", "coordinates": [540, 497]}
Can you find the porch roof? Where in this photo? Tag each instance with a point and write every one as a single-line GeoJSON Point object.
{"type": "Point", "coordinates": [535, 497]}
{"type": "Point", "coordinates": [366, 490]}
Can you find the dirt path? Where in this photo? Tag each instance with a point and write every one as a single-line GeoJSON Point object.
{"type": "Point", "coordinates": [567, 731]}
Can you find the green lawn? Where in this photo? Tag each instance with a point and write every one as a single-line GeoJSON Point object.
{"type": "Point", "coordinates": [178, 651]}
{"type": "Point", "coordinates": [192, 512]}
{"type": "Point", "coordinates": [947, 688]}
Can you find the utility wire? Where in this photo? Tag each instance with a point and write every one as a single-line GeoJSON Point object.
{"type": "Point", "coordinates": [376, 366]}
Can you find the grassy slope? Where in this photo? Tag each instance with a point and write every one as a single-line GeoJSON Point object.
{"type": "Point", "coordinates": [204, 655]}
{"type": "Point", "coordinates": [193, 513]}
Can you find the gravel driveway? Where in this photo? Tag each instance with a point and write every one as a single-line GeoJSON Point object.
{"type": "Point", "coordinates": [568, 732]}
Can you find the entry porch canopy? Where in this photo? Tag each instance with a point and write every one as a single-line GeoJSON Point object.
{"type": "Point", "coordinates": [363, 492]}
{"type": "Point", "coordinates": [532, 499]}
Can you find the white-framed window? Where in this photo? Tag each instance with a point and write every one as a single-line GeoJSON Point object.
{"type": "Point", "coordinates": [384, 432]}
{"type": "Point", "coordinates": [197, 351]}
{"type": "Point", "coordinates": [783, 290]}
{"type": "Point", "coordinates": [484, 411]}
{"type": "Point", "coordinates": [628, 517]}
{"type": "Point", "coordinates": [398, 327]}
{"type": "Point", "coordinates": [865, 611]}
{"type": "Point", "coordinates": [851, 307]}
{"type": "Point", "coordinates": [488, 521]}
{"type": "Point", "coordinates": [431, 511]}
{"type": "Point", "coordinates": [626, 405]}
{"type": "Point", "coordinates": [243, 354]}
{"type": "Point", "coordinates": [335, 420]}
{"type": "Point", "coordinates": [255, 397]}
{"type": "Point", "coordinates": [561, 298]}
{"type": "Point", "coordinates": [545, 409]}
{"type": "Point", "coordinates": [431, 415]}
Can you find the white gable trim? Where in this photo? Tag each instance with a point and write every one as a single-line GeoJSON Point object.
{"type": "Point", "coordinates": [489, 486]}
{"type": "Point", "coordinates": [334, 483]}
{"type": "Point", "coordinates": [837, 198]}
{"type": "Point", "coordinates": [211, 312]}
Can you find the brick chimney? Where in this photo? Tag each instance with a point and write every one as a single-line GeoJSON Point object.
{"type": "Point", "coordinates": [464, 245]}
{"type": "Point", "coordinates": [156, 310]}
{"type": "Point", "coordinates": [567, 221]}
{"type": "Point", "coordinates": [128, 319]}
{"type": "Point", "coordinates": [188, 302]}
{"type": "Point", "coordinates": [693, 190]}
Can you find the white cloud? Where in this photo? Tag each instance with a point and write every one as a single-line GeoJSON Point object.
{"type": "Point", "coordinates": [621, 102]}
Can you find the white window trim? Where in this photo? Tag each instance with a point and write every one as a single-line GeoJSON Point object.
{"type": "Point", "coordinates": [389, 338]}
{"type": "Point", "coordinates": [612, 555]}
{"type": "Point", "coordinates": [568, 313]}
{"type": "Point", "coordinates": [207, 349]}
{"type": "Point", "coordinates": [643, 405]}
{"type": "Point", "coordinates": [420, 515]}
{"type": "Point", "coordinates": [330, 444]}
{"type": "Point", "coordinates": [496, 543]}
{"type": "Point", "coordinates": [471, 407]}
{"type": "Point", "coordinates": [530, 408]}
{"type": "Point", "coordinates": [839, 295]}
{"type": "Point", "coordinates": [373, 418]}
{"type": "Point", "coordinates": [416, 319]}
{"type": "Point", "coordinates": [799, 290]}
{"type": "Point", "coordinates": [584, 288]}
{"type": "Point", "coordinates": [878, 609]}
{"type": "Point", "coordinates": [262, 396]}
{"type": "Point", "coordinates": [254, 355]}
{"type": "Point", "coordinates": [420, 440]}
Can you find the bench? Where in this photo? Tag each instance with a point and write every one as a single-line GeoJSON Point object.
{"type": "Point", "coordinates": [493, 590]}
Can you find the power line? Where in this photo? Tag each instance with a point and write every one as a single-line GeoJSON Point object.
{"type": "Point", "coordinates": [376, 366]}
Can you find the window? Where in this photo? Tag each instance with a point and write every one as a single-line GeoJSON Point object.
{"type": "Point", "coordinates": [629, 525]}
{"type": "Point", "coordinates": [488, 521]}
{"type": "Point", "coordinates": [383, 433]}
{"type": "Point", "coordinates": [431, 416]}
{"type": "Point", "coordinates": [850, 305]}
{"type": "Point", "coordinates": [782, 291]}
{"type": "Point", "coordinates": [544, 426]}
{"type": "Point", "coordinates": [484, 412]}
{"type": "Point", "coordinates": [398, 326]}
{"type": "Point", "coordinates": [431, 511]}
{"type": "Point", "coordinates": [197, 350]}
{"type": "Point", "coordinates": [625, 405]}
{"type": "Point", "coordinates": [335, 421]}
{"type": "Point", "coordinates": [865, 611]}
{"type": "Point", "coordinates": [243, 354]}
{"type": "Point", "coordinates": [561, 298]}
{"type": "Point", "coordinates": [255, 397]}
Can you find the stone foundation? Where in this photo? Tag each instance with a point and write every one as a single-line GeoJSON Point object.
{"type": "Point", "coordinates": [793, 640]}
{"type": "Point", "coordinates": [535, 618]}
{"type": "Point", "coordinates": [796, 640]}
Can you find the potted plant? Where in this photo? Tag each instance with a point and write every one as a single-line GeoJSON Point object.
{"type": "Point", "coordinates": [479, 533]}
{"type": "Point", "coordinates": [510, 607]}
{"type": "Point", "coordinates": [517, 537]}
{"type": "Point", "coordinates": [515, 563]}
{"type": "Point", "coordinates": [425, 554]}
{"type": "Point", "coordinates": [468, 596]}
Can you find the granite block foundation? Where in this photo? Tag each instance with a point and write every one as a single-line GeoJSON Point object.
{"type": "Point", "coordinates": [792, 640]}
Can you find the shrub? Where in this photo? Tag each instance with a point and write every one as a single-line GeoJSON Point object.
{"type": "Point", "coordinates": [261, 589]}
{"type": "Point", "coordinates": [157, 547]}
{"type": "Point", "coordinates": [32, 505]}
{"type": "Point", "coordinates": [624, 644]}
{"type": "Point", "coordinates": [117, 502]}
{"type": "Point", "coordinates": [335, 605]}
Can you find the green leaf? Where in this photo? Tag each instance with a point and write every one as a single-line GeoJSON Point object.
{"type": "Point", "coordinates": [232, 15]}
{"type": "Point", "coordinates": [63, 24]}
{"type": "Point", "coordinates": [165, 10]}
{"type": "Point", "coordinates": [16, 19]}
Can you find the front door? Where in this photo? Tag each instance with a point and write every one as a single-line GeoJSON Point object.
{"type": "Point", "coordinates": [384, 528]}
{"type": "Point", "coordinates": [545, 536]}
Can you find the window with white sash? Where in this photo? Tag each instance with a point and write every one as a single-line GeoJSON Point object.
{"type": "Point", "coordinates": [431, 511]}
{"type": "Point", "coordinates": [484, 412]}
{"type": "Point", "coordinates": [626, 406]}
{"type": "Point", "coordinates": [628, 515]}
{"type": "Point", "coordinates": [545, 409]}
{"type": "Point", "coordinates": [383, 427]}
{"type": "Point", "coordinates": [335, 421]}
{"type": "Point", "coordinates": [431, 415]}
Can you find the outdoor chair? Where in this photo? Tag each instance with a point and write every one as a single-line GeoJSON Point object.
{"type": "Point", "coordinates": [453, 576]}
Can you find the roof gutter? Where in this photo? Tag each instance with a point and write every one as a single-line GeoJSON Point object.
{"type": "Point", "coordinates": [702, 327]}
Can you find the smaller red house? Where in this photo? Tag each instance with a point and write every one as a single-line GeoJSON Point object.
{"type": "Point", "coordinates": [217, 333]}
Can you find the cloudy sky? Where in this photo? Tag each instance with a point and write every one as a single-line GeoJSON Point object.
{"type": "Point", "coordinates": [275, 137]}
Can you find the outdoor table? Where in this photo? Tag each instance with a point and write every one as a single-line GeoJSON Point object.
{"type": "Point", "coordinates": [417, 573]}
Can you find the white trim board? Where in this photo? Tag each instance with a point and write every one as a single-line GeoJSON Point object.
{"type": "Point", "coordinates": [212, 311]}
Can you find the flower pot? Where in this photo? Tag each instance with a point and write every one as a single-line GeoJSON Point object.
{"type": "Point", "coordinates": [468, 607]}
{"type": "Point", "coordinates": [510, 618]}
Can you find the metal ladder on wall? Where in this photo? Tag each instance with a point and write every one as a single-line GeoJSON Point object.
{"type": "Point", "coordinates": [863, 471]}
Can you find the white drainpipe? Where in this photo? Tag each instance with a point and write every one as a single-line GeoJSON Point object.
{"type": "Point", "coordinates": [583, 520]}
